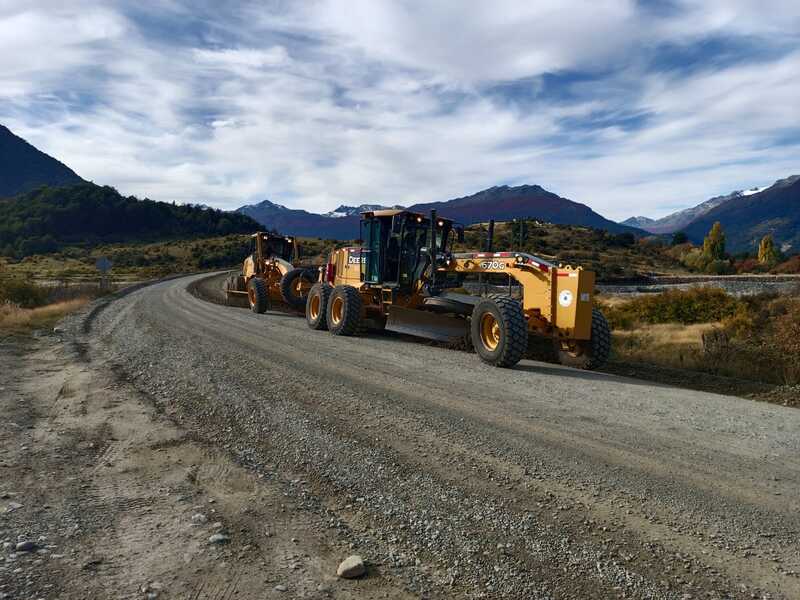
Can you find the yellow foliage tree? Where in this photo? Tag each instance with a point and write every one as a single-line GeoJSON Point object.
{"type": "Point", "coordinates": [767, 253]}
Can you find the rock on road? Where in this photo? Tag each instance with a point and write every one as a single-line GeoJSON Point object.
{"type": "Point", "coordinates": [462, 480]}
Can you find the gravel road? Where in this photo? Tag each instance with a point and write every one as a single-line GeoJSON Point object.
{"type": "Point", "coordinates": [461, 480]}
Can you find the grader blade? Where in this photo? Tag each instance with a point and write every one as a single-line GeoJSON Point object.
{"type": "Point", "coordinates": [423, 324]}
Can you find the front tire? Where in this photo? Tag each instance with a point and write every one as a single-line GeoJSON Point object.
{"type": "Point", "coordinates": [257, 295]}
{"type": "Point", "coordinates": [498, 331]}
{"type": "Point", "coordinates": [317, 306]}
{"type": "Point", "coordinates": [588, 354]}
{"type": "Point", "coordinates": [292, 286]}
{"type": "Point", "coordinates": [344, 311]}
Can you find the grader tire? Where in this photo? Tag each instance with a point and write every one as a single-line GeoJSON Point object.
{"type": "Point", "coordinates": [344, 311]}
{"type": "Point", "coordinates": [289, 291]}
{"type": "Point", "coordinates": [317, 306]}
{"type": "Point", "coordinates": [257, 295]}
{"type": "Point", "coordinates": [593, 353]}
{"type": "Point", "coordinates": [498, 331]}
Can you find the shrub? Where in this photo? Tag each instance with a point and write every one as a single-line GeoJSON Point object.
{"type": "Point", "coordinates": [21, 292]}
{"type": "Point", "coordinates": [697, 305]}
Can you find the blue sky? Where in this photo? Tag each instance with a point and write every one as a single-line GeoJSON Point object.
{"type": "Point", "coordinates": [629, 107]}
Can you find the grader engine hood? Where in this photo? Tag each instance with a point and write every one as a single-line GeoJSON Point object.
{"type": "Point", "coordinates": [573, 302]}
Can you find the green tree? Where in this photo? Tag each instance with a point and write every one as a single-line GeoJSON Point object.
{"type": "Point", "coordinates": [714, 243]}
{"type": "Point", "coordinates": [767, 252]}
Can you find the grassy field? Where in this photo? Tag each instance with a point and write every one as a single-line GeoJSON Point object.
{"type": "Point", "coordinates": [755, 338]}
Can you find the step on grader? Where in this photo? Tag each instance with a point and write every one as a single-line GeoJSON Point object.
{"type": "Point", "coordinates": [405, 278]}
{"type": "Point", "coordinates": [268, 274]}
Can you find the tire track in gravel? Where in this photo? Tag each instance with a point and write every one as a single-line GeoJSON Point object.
{"type": "Point", "coordinates": [693, 476]}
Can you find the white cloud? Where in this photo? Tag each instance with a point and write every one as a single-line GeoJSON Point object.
{"type": "Point", "coordinates": [323, 103]}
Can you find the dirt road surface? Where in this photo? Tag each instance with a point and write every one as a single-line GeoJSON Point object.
{"type": "Point", "coordinates": [159, 419]}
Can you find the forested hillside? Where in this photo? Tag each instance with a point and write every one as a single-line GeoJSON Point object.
{"type": "Point", "coordinates": [48, 219]}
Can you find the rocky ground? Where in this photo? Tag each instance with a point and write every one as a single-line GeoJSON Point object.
{"type": "Point", "coordinates": [165, 446]}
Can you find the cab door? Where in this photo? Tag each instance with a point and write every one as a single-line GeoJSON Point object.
{"type": "Point", "coordinates": [371, 267]}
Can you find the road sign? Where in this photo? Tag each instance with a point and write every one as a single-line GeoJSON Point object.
{"type": "Point", "coordinates": [103, 264]}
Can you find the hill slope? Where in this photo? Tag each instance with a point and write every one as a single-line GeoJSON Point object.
{"type": "Point", "coordinates": [24, 168]}
{"type": "Point", "coordinates": [48, 219]}
{"type": "Point", "coordinates": [501, 203]}
{"type": "Point", "coordinates": [504, 203]}
{"type": "Point", "coordinates": [678, 220]}
{"type": "Point", "coordinates": [747, 218]}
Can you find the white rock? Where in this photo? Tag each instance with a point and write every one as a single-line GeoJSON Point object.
{"type": "Point", "coordinates": [351, 567]}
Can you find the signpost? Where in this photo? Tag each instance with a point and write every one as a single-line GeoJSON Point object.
{"type": "Point", "coordinates": [103, 265]}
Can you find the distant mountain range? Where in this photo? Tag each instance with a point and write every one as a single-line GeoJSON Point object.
{"type": "Point", "coordinates": [501, 203]}
{"type": "Point", "coordinates": [746, 216]}
{"type": "Point", "coordinates": [680, 219]}
{"type": "Point", "coordinates": [23, 167]}
{"type": "Point", "coordinates": [80, 211]}
{"type": "Point", "coordinates": [354, 211]}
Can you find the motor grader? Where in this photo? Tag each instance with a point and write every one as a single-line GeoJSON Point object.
{"type": "Point", "coordinates": [268, 274]}
{"type": "Point", "coordinates": [405, 278]}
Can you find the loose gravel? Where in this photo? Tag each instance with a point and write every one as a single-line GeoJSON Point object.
{"type": "Point", "coordinates": [466, 481]}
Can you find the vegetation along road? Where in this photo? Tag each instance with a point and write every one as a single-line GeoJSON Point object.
{"type": "Point", "coordinates": [454, 479]}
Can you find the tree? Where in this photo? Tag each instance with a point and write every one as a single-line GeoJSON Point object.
{"type": "Point", "coordinates": [714, 243]}
{"type": "Point", "coordinates": [679, 237]}
{"type": "Point", "coordinates": [767, 252]}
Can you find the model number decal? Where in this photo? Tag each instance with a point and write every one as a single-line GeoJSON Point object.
{"type": "Point", "coordinates": [493, 264]}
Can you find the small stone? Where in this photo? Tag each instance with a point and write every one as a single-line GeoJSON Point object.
{"type": "Point", "coordinates": [27, 546]}
{"type": "Point", "coordinates": [280, 588]}
{"type": "Point", "coordinates": [217, 525]}
{"type": "Point", "coordinates": [219, 538]}
{"type": "Point", "coordinates": [12, 506]}
{"type": "Point", "coordinates": [351, 567]}
{"type": "Point", "coordinates": [199, 518]}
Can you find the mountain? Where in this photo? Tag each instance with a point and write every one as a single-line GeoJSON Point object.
{"type": "Point", "coordinates": [501, 203]}
{"type": "Point", "coordinates": [678, 220]}
{"type": "Point", "coordinates": [354, 211]}
{"type": "Point", "coordinates": [640, 222]}
{"type": "Point", "coordinates": [49, 218]}
{"type": "Point", "coordinates": [747, 217]}
{"type": "Point", "coordinates": [300, 222]}
{"type": "Point", "coordinates": [24, 168]}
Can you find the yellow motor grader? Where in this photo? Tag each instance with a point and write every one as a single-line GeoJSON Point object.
{"type": "Point", "coordinates": [268, 274]}
{"type": "Point", "coordinates": [405, 278]}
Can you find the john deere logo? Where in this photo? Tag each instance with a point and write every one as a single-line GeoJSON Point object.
{"type": "Point", "coordinates": [565, 298]}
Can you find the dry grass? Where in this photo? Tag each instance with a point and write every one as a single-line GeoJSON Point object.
{"type": "Point", "coordinates": [666, 344]}
{"type": "Point", "coordinates": [14, 318]}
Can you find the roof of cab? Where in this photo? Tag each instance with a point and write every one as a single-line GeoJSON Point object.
{"type": "Point", "coordinates": [393, 212]}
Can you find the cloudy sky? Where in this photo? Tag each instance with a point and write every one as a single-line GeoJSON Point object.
{"type": "Point", "coordinates": [631, 107]}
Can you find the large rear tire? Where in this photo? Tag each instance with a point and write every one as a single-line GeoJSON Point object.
{"type": "Point", "coordinates": [344, 311]}
{"type": "Point", "coordinates": [293, 286]}
{"type": "Point", "coordinates": [257, 295]}
{"type": "Point", "coordinates": [588, 354]}
{"type": "Point", "coordinates": [498, 331]}
{"type": "Point", "coordinates": [317, 306]}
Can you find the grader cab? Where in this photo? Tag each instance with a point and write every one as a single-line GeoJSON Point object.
{"type": "Point", "coordinates": [268, 274]}
{"type": "Point", "coordinates": [406, 278]}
